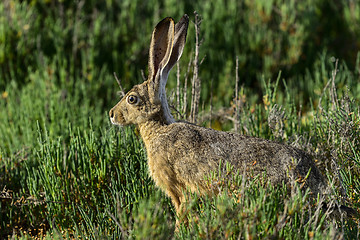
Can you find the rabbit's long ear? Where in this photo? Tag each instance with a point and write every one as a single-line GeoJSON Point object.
{"type": "Point", "coordinates": [167, 45]}
{"type": "Point", "coordinates": [161, 45]}
{"type": "Point", "coordinates": [179, 43]}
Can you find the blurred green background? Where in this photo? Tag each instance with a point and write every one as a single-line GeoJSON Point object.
{"type": "Point", "coordinates": [65, 171]}
{"type": "Point", "coordinates": [89, 40]}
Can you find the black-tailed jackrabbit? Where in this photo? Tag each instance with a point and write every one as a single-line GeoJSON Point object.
{"type": "Point", "coordinates": [181, 155]}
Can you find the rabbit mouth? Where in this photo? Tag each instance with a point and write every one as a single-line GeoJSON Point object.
{"type": "Point", "coordinates": [113, 121]}
{"type": "Point", "coordinates": [117, 118]}
{"type": "Point", "coordinates": [118, 123]}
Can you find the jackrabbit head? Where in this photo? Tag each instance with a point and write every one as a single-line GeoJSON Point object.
{"type": "Point", "coordinates": [147, 101]}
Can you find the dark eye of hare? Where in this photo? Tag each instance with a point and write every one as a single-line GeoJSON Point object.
{"type": "Point", "coordinates": [132, 99]}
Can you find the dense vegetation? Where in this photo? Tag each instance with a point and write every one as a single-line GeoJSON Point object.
{"type": "Point", "coordinates": [65, 171]}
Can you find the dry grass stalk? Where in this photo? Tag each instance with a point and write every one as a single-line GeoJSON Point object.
{"type": "Point", "coordinates": [122, 93]}
{"type": "Point", "coordinates": [185, 87]}
{"type": "Point", "coordinates": [178, 88]}
{"type": "Point", "coordinates": [196, 81]}
{"type": "Point", "coordinates": [237, 102]}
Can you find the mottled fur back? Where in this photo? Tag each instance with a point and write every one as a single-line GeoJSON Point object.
{"type": "Point", "coordinates": [191, 153]}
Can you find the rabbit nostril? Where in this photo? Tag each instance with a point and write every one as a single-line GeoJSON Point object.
{"type": "Point", "coordinates": [111, 113]}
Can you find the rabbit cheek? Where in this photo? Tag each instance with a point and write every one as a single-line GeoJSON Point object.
{"type": "Point", "coordinates": [134, 115]}
{"type": "Point", "coordinates": [121, 114]}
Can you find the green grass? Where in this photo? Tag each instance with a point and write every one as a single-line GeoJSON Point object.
{"type": "Point", "coordinates": [66, 172]}
{"type": "Point", "coordinates": [75, 175]}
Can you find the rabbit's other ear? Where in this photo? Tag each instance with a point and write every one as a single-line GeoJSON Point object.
{"type": "Point", "coordinates": [161, 45]}
{"type": "Point", "coordinates": [179, 43]}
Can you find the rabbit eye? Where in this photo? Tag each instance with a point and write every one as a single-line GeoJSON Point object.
{"type": "Point", "coordinates": [132, 99]}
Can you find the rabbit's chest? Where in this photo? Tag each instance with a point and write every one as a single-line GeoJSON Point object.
{"type": "Point", "coordinates": [159, 168]}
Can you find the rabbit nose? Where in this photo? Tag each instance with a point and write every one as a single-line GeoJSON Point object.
{"type": "Point", "coordinates": [111, 113]}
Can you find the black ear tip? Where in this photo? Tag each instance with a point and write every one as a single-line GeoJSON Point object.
{"type": "Point", "coordinates": [166, 20]}
{"type": "Point", "coordinates": [184, 19]}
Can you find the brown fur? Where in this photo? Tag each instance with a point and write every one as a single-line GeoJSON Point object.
{"type": "Point", "coordinates": [181, 155]}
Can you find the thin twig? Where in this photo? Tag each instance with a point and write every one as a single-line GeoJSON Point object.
{"type": "Point", "coordinates": [334, 99]}
{"type": "Point", "coordinates": [178, 87]}
{"type": "Point", "coordinates": [172, 107]}
{"type": "Point", "coordinates": [237, 102]}
{"type": "Point", "coordinates": [196, 82]}
{"type": "Point", "coordinates": [117, 223]}
{"type": "Point", "coordinates": [185, 87]}
{"type": "Point", "coordinates": [122, 93]}
{"type": "Point", "coordinates": [211, 99]}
